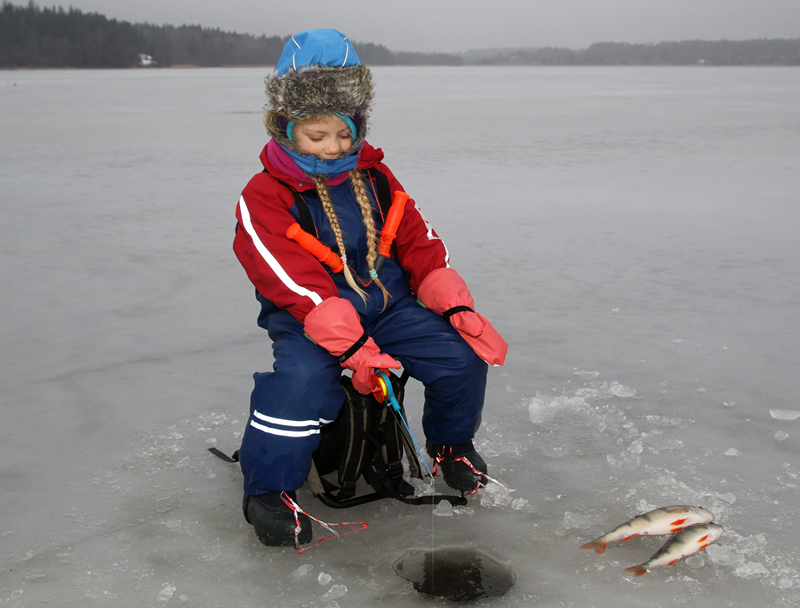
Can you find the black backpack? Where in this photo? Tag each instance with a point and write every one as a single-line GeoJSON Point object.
{"type": "Point", "coordinates": [368, 439]}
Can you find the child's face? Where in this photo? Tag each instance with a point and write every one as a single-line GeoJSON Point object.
{"type": "Point", "coordinates": [325, 139]}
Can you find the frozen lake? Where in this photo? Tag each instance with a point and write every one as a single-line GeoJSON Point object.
{"type": "Point", "coordinates": [632, 232]}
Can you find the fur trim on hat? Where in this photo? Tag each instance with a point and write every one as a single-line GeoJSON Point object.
{"type": "Point", "coordinates": [318, 90]}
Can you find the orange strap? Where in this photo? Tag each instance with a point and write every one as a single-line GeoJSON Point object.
{"type": "Point", "coordinates": [393, 219]}
{"type": "Point", "coordinates": [310, 243]}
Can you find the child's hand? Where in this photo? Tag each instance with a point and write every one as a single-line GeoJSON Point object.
{"type": "Point", "coordinates": [335, 326]}
{"type": "Point", "coordinates": [468, 322]}
{"type": "Point", "coordinates": [481, 336]}
{"type": "Point", "coordinates": [364, 363]}
{"type": "Point", "coordinates": [445, 292]}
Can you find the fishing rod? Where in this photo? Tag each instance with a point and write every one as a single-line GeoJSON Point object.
{"type": "Point", "coordinates": [382, 391]}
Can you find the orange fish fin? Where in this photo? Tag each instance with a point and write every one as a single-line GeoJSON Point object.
{"type": "Point", "coordinates": [704, 546]}
{"type": "Point", "coordinates": [674, 561]}
{"type": "Point", "coordinates": [701, 540]}
{"type": "Point", "coordinates": [637, 570]}
{"type": "Point", "coordinates": [599, 547]}
{"type": "Point", "coordinates": [679, 522]}
{"type": "Point", "coordinates": [626, 539]}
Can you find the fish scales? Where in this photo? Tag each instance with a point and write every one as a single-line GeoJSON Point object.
{"type": "Point", "coordinates": [684, 543]}
{"type": "Point", "coordinates": [665, 520]}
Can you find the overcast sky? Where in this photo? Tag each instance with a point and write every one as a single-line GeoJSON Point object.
{"type": "Point", "coordinates": [460, 25]}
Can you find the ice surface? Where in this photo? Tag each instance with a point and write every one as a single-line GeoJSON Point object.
{"type": "Point", "coordinates": [632, 233]}
{"type": "Point", "coordinates": [784, 414]}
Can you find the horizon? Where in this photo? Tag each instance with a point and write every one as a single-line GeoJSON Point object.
{"type": "Point", "coordinates": [450, 27]}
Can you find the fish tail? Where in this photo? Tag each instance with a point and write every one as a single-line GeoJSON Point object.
{"type": "Point", "coordinates": [597, 545]}
{"type": "Point", "coordinates": [637, 570]}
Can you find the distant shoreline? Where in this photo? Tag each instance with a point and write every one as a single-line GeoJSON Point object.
{"type": "Point", "coordinates": [272, 67]}
{"type": "Point", "coordinates": [57, 38]}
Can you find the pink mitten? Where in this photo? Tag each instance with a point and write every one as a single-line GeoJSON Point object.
{"type": "Point", "coordinates": [334, 325]}
{"type": "Point", "coordinates": [446, 293]}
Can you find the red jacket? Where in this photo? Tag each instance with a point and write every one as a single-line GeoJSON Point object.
{"type": "Point", "coordinates": [285, 273]}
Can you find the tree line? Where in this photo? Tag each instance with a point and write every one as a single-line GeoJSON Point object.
{"type": "Point", "coordinates": [31, 36]}
{"type": "Point", "coordinates": [688, 52]}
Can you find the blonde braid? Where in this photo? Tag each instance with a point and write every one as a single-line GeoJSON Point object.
{"type": "Point", "coordinates": [369, 223]}
{"type": "Point", "coordinates": [327, 206]}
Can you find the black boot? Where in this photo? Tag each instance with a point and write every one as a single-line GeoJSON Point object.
{"type": "Point", "coordinates": [458, 474]}
{"type": "Point", "coordinates": [274, 521]}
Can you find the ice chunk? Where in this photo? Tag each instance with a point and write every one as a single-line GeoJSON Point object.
{"type": "Point", "coordinates": [728, 497]}
{"type": "Point", "coordinates": [444, 509]}
{"type": "Point", "coordinates": [166, 593]}
{"type": "Point", "coordinates": [323, 578]}
{"type": "Point", "coordinates": [781, 436]}
{"type": "Point", "coordinates": [732, 452]}
{"type": "Point", "coordinates": [519, 504]}
{"type": "Point", "coordinates": [784, 414]}
{"type": "Point", "coordinates": [495, 495]}
{"type": "Point", "coordinates": [619, 390]}
{"type": "Point", "coordinates": [751, 570]}
{"type": "Point", "coordinates": [336, 591]}
{"type": "Point", "coordinates": [635, 447]}
{"type": "Point", "coordinates": [302, 570]}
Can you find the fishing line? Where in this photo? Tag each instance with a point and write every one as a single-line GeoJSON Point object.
{"type": "Point", "coordinates": [395, 407]}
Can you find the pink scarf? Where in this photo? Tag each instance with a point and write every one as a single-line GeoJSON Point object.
{"type": "Point", "coordinates": [284, 163]}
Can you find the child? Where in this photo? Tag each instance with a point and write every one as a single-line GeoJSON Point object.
{"type": "Point", "coordinates": [318, 169]}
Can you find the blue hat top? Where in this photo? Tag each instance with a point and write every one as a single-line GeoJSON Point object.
{"type": "Point", "coordinates": [326, 47]}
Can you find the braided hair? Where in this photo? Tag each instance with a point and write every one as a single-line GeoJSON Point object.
{"type": "Point", "coordinates": [360, 192]}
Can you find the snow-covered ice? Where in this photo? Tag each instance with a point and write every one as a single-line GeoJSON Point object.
{"type": "Point", "coordinates": [784, 414]}
{"type": "Point", "coordinates": [632, 233]}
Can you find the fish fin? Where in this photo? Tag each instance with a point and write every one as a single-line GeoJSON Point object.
{"type": "Point", "coordinates": [703, 546]}
{"type": "Point", "coordinates": [598, 546]}
{"type": "Point", "coordinates": [674, 561]}
{"type": "Point", "coordinates": [637, 570]}
{"type": "Point", "coordinates": [625, 540]}
{"type": "Point", "coordinates": [679, 522]}
{"type": "Point", "coordinates": [705, 538]}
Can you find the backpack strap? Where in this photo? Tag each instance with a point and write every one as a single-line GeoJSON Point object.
{"type": "Point", "coordinates": [304, 215]}
{"type": "Point", "coordinates": [357, 424]}
{"type": "Point", "coordinates": [381, 190]}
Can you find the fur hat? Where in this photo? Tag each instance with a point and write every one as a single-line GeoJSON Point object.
{"type": "Point", "coordinates": [319, 73]}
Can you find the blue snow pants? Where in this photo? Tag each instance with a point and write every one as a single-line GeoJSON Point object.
{"type": "Point", "coordinates": [303, 393]}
